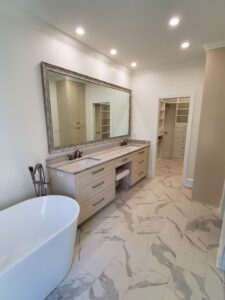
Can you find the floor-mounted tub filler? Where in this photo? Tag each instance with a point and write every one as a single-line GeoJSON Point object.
{"type": "Point", "coordinates": [37, 239]}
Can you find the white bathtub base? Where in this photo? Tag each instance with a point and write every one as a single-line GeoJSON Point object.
{"type": "Point", "coordinates": [40, 271]}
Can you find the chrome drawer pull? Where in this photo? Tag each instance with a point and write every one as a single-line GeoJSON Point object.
{"type": "Point", "coordinates": [94, 186]}
{"type": "Point", "coordinates": [141, 161]}
{"type": "Point", "coordinates": [97, 171]}
{"type": "Point", "coordinates": [96, 203]}
{"type": "Point", "coordinates": [140, 173]}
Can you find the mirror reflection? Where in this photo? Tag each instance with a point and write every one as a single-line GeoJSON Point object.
{"type": "Point", "coordinates": [82, 111]}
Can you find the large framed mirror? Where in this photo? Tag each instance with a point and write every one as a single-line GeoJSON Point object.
{"type": "Point", "coordinates": [81, 109]}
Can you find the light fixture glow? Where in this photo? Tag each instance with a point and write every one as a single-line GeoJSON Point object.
{"type": "Point", "coordinates": [133, 64]}
{"type": "Point", "coordinates": [185, 45]}
{"type": "Point", "coordinates": [113, 51]}
{"type": "Point", "coordinates": [80, 31]}
{"type": "Point", "coordinates": [174, 21]}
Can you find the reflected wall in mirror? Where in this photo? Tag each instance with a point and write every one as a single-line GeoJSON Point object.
{"type": "Point", "coordinates": [81, 109]}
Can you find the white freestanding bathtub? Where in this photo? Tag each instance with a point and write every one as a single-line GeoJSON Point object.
{"type": "Point", "coordinates": [36, 246]}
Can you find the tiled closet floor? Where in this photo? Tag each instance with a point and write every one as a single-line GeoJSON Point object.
{"type": "Point", "coordinates": [151, 242]}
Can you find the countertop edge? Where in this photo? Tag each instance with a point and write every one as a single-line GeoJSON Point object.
{"type": "Point", "coordinates": [99, 163]}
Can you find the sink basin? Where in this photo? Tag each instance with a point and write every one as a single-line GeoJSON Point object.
{"type": "Point", "coordinates": [130, 147]}
{"type": "Point", "coordinates": [135, 146]}
{"type": "Point", "coordinates": [86, 162]}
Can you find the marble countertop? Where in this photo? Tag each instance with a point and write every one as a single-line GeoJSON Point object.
{"type": "Point", "coordinates": [96, 159]}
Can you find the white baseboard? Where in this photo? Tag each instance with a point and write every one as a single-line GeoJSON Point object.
{"type": "Point", "coordinates": [188, 182]}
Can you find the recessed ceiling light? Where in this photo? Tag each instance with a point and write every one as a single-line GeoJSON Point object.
{"type": "Point", "coordinates": [185, 45]}
{"type": "Point", "coordinates": [133, 64]}
{"type": "Point", "coordinates": [113, 51]}
{"type": "Point", "coordinates": [80, 31]}
{"type": "Point", "coordinates": [174, 21]}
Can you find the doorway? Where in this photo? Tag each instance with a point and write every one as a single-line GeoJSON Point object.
{"type": "Point", "coordinates": [173, 125]}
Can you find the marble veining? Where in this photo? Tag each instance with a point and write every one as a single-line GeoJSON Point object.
{"type": "Point", "coordinates": [151, 242]}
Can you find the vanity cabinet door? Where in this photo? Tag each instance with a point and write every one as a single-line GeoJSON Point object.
{"type": "Point", "coordinates": [140, 163]}
{"type": "Point", "coordinates": [123, 160]}
{"type": "Point", "coordinates": [95, 203]}
{"type": "Point", "coordinates": [94, 173]}
{"type": "Point", "coordinates": [87, 189]}
{"type": "Point", "coordinates": [138, 174]}
{"type": "Point", "coordinates": [94, 189]}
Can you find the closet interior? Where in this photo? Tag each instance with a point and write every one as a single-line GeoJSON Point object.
{"type": "Point", "coordinates": [102, 120]}
{"type": "Point", "coordinates": [172, 127]}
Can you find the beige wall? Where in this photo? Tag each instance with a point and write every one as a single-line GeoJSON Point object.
{"type": "Point", "coordinates": [210, 161]}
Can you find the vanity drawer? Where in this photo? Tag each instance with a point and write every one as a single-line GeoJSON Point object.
{"type": "Point", "coordinates": [86, 191]}
{"type": "Point", "coordinates": [123, 160]}
{"type": "Point", "coordinates": [139, 162]}
{"type": "Point", "coordinates": [139, 174]}
{"type": "Point", "coordinates": [142, 153]}
{"type": "Point", "coordinates": [94, 173]}
{"type": "Point", "coordinates": [98, 201]}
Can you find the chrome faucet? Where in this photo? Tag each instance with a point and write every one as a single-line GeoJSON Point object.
{"type": "Point", "coordinates": [124, 142]}
{"type": "Point", "coordinates": [77, 154]}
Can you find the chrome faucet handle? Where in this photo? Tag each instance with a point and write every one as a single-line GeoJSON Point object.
{"type": "Point", "coordinates": [77, 154]}
{"type": "Point", "coordinates": [124, 142]}
{"type": "Point", "coordinates": [70, 156]}
{"type": "Point", "coordinates": [80, 154]}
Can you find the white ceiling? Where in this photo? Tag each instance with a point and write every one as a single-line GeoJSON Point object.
{"type": "Point", "coordinates": [137, 28]}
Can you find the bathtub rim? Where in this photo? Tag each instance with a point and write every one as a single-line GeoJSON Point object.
{"type": "Point", "coordinates": [52, 236]}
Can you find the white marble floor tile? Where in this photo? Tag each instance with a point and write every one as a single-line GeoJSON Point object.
{"type": "Point", "coordinates": [74, 286]}
{"type": "Point", "coordinates": [150, 225]}
{"type": "Point", "coordinates": [160, 257]}
{"type": "Point", "coordinates": [214, 283]}
{"type": "Point", "coordinates": [97, 261]}
{"type": "Point", "coordinates": [170, 295]}
{"type": "Point", "coordinates": [110, 285]}
{"type": "Point", "coordinates": [153, 287]}
{"type": "Point", "coordinates": [132, 253]}
{"type": "Point", "coordinates": [152, 242]}
{"type": "Point", "coordinates": [186, 285]}
{"type": "Point", "coordinates": [192, 258]}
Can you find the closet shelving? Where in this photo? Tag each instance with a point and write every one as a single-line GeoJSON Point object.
{"type": "Point", "coordinates": [162, 109]}
{"type": "Point", "coordinates": [181, 120]}
{"type": "Point", "coordinates": [176, 133]}
{"type": "Point", "coordinates": [182, 111]}
{"type": "Point", "coordinates": [102, 121]}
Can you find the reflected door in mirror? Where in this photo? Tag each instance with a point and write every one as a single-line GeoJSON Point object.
{"type": "Point", "coordinates": [70, 101]}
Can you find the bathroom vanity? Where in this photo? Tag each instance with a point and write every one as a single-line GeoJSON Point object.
{"type": "Point", "coordinates": [92, 179]}
{"type": "Point", "coordinates": [94, 116]}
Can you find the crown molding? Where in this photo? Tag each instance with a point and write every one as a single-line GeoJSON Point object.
{"type": "Point", "coordinates": [215, 45]}
{"type": "Point", "coordinates": [53, 32]}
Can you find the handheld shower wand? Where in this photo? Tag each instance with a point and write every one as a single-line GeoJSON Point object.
{"type": "Point", "coordinates": [40, 185]}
